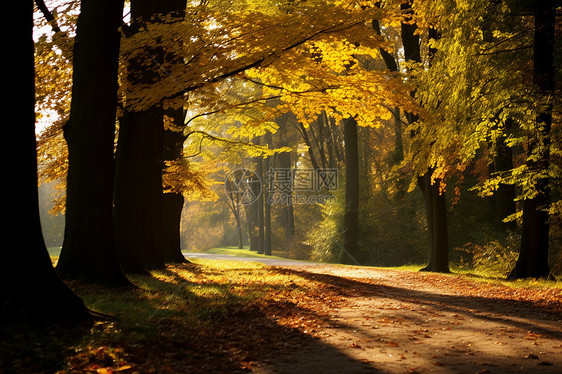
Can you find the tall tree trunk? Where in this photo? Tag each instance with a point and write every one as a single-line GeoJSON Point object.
{"type": "Point", "coordinates": [138, 191]}
{"type": "Point", "coordinates": [234, 189]}
{"type": "Point", "coordinates": [173, 208]}
{"type": "Point", "coordinates": [252, 221]}
{"type": "Point", "coordinates": [283, 161]}
{"type": "Point", "coordinates": [351, 214]}
{"type": "Point", "coordinates": [267, 235]}
{"type": "Point", "coordinates": [436, 217]}
{"type": "Point", "coordinates": [139, 200]}
{"type": "Point", "coordinates": [435, 201]}
{"type": "Point", "coordinates": [398, 155]}
{"type": "Point", "coordinates": [88, 252]}
{"type": "Point", "coordinates": [324, 123]}
{"type": "Point", "coordinates": [173, 201]}
{"type": "Point", "coordinates": [261, 207]}
{"type": "Point", "coordinates": [533, 258]}
{"type": "Point", "coordinates": [31, 289]}
{"type": "Point", "coordinates": [302, 130]}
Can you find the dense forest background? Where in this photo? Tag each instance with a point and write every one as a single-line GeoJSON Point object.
{"type": "Point", "coordinates": [440, 119]}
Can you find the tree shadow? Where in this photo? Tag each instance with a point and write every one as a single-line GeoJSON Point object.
{"type": "Point", "coordinates": [225, 332]}
{"type": "Point", "coordinates": [518, 313]}
{"type": "Point", "coordinates": [37, 348]}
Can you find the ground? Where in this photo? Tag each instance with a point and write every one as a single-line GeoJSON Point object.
{"type": "Point", "coordinates": [272, 315]}
{"type": "Point", "coordinates": [406, 322]}
{"type": "Point", "coordinates": [388, 321]}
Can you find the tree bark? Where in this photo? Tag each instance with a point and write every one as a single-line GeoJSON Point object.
{"type": "Point", "coordinates": [533, 257]}
{"type": "Point", "coordinates": [267, 235]}
{"type": "Point", "coordinates": [261, 207]}
{"type": "Point", "coordinates": [251, 210]}
{"type": "Point", "coordinates": [436, 217]}
{"type": "Point", "coordinates": [173, 202]}
{"type": "Point", "coordinates": [138, 192]}
{"type": "Point", "coordinates": [89, 253]}
{"type": "Point", "coordinates": [252, 225]}
{"type": "Point", "coordinates": [139, 200]}
{"type": "Point", "coordinates": [351, 214]}
{"type": "Point", "coordinates": [173, 208]}
{"type": "Point", "coordinates": [234, 203]}
{"type": "Point", "coordinates": [283, 161]}
{"type": "Point", "coordinates": [32, 291]}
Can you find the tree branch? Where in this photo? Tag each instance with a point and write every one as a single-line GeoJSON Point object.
{"type": "Point", "coordinates": [48, 15]}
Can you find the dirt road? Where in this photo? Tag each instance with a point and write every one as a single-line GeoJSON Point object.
{"type": "Point", "coordinates": [410, 322]}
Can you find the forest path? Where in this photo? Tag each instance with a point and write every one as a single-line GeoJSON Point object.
{"type": "Point", "coordinates": [391, 321]}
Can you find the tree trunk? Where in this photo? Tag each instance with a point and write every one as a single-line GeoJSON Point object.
{"type": "Point", "coordinates": [88, 253]}
{"type": "Point", "coordinates": [435, 201]}
{"type": "Point", "coordinates": [267, 235]}
{"type": "Point", "coordinates": [436, 217]}
{"type": "Point", "coordinates": [533, 258]}
{"type": "Point", "coordinates": [251, 210]}
{"type": "Point", "coordinates": [139, 201]}
{"type": "Point", "coordinates": [252, 224]}
{"type": "Point", "coordinates": [31, 289]}
{"type": "Point", "coordinates": [284, 163]}
{"type": "Point", "coordinates": [173, 201]}
{"type": "Point", "coordinates": [302, 130]}
{"type": "Point", "coordinates": [173, 207]}
{"type": "Point", "coordinates": [351, 215]}
{"type": "Point", "coordinates": [261, 209]}
{"type": "Point", "coordinates": [505, 194]}
{"type": "Point", "coordinates": [239, 230]}
{"type": "Point", "coordinates": [138, 192]}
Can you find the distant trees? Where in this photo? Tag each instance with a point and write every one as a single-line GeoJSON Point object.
{"type": "Point", "coordinates": [388, 94]}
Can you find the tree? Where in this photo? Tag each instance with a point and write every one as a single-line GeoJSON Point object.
{"type": "Point", "coordinates": [173, 199]}
{"type": "Point", "coordinates": [33, 292]}
{"type": "Point", "coordinates": [351, 215]}
{"type": "Point", "coordinates": [488, 115]}
{"type": "Point", "coordinates": [139, 197]}
{"type": "Point", "coordinates": [89, 253]}
{"type": "Point", "coordinates": [267, 235]}
{"type": "Point", "coordinates": [208, 51]}
{"type": "Point", "coordinates": [237, 190]}
{"type": "Point", "coordinates": [424, 172]}
{"type": "Point", "coordinates": [533, 257]}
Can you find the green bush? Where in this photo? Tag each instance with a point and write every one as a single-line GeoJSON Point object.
{"type": "Point", "coordinates": [495, 258]}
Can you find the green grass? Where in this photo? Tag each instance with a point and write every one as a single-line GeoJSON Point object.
{"type": "Point", "coordinates": [184, 316]}
{"type": "Point", "coordinates": [481, 275]}
{"type": "Point", "coordinates": [495, 278]}
{"type": "Point", "coordinates": [490, 277]}
{"type": "Point", "coordinates": [235, 251]}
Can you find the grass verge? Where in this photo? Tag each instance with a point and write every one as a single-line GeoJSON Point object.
{"type": "Point", "coordinates": [207, 316]}
{"type": "Point", "coordinates": [245, 252]}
